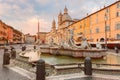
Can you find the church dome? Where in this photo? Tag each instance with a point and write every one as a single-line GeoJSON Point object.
{"type": "Point", "coordinates": [66, 17]}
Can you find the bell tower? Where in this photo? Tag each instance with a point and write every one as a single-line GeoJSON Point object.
{"type": "Point", "coordinates": [65, 10]}
{"type": "Point", "coordinates": [54, 25]}
{"type": "Point", "coordinates": [59, 19]}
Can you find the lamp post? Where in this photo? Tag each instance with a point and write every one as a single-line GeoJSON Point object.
{"type": "Point", "coordinates": [105, 31]}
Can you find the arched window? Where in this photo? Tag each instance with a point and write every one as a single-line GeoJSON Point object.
{"type": "Point", "coordinates": [102, 39]}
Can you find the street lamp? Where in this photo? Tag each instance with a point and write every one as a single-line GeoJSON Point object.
{"type": "Point", "coordinates": [105, 31]}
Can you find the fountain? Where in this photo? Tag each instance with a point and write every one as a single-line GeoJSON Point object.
{"type": "Point", "coordinates": [66, 49]}
{"type": "Point", "coordinates": [31, 56]}
{"type": "Point", "coordinates": [69, 48]}
{"type": "Point", "coordinates": [64, 67]}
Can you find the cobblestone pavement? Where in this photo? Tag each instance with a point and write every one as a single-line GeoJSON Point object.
{"type": "Point", "coordinates": [81, 76]}
{"type": "Point", "coordinates": [8, 74]}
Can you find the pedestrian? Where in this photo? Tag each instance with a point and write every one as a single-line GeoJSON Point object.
{"type": "Point", "coordinates": [116, 49]}
{"type": "Point", "coordinates": [12, 48]}
{"type": "Point", "coordinates": [5, 49]}
{"type": "Point", "coordinates": [13, 54]}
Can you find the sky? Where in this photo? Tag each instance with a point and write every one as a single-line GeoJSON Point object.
{"type": "Point", "coordinates": [24, 14]}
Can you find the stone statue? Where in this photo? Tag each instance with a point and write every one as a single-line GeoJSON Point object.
{"type": "Point", "coordinates": [98, 45]}
{"type": "Point", "coordinates": [51, 42]}
{"type": "Point", "coordinates": [64, 45]}
{"type": "Point", "coordinates": [84, 43]}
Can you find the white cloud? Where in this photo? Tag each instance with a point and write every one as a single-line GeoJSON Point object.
{"type": "Point", "coordinates": [43, 2]}
{"type": "Point", "coordinates": [22, 14]}
{"type": "Point", "coordinates": [32, 25]}
{"type": "Point", "coordinates": [4, 8]}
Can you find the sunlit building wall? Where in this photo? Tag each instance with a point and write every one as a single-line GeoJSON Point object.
{"type": "Point", "coordinates": [3, 33]}
{"type": "Point", "coordinates": [102, 25]}
{"type": "Point", "coordinates": [94, 26]}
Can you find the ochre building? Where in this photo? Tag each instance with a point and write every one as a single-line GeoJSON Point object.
{"type": "Point", "coordinates": [9, 35]}
{"type": "Point", "coordinates": [102, 25]}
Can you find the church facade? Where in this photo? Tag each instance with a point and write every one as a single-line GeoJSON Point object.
{"type": "Point", "coordinates": [60, 34]}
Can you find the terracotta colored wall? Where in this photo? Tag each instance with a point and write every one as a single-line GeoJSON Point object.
{"type": "Point", "coordinates": [10, 34]}
{"type": "Point", "coordinates": [90, 23]}
{"type": "Point", "coordinates": [3, 32]}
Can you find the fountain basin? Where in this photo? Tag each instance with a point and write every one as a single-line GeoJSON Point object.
{"type": "Point", "coordinates": [53, 50]}
{"type": "Point", "coordinates": [45, 49]}
{"type": "Point", "coordinates": [93, 53]}
{"type": "Point", "coordinates": [31, 56]}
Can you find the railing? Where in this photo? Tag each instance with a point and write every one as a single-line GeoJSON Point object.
{"type": "Point", "coordinates": [82, 65]}
{"type": "Point", "coordinates": [112, 69]}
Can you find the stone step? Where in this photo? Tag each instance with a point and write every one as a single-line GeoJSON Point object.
{"type": "Point", "coordinates": [66, 66]}
{"type": "Point", "coordinates": [23, 72]}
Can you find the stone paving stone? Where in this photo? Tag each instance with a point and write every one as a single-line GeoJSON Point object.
{"type": "Point", "coordinates": [7, 74]}
{"type": "Point", "coordinates": [89, 78]}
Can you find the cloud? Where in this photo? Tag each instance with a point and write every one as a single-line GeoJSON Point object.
{"type": "Point", "coordinates": [31, 25]}
{"type": "Point", "coordinates": [43, 2]}
{"type": "Point", "coordinates": [4, 8]}
{"type": "Point", "coordinates": [22, 14]}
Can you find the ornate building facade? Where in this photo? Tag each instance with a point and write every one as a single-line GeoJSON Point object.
{"type": "Point", "coordinates": [30, 39]}
{"type": "Point", "coordinates": [102, 25]}
{"type": "Point", "coordinates": [42, 37]}
{"type": "Point", "coordinates": [59, 34]}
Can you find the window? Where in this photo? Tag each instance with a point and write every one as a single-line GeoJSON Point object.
{"type": "Point", "coordinates": [107, 10]}
{"type": "Point", "coordinates": [107, 28]}
{"type": "Point", "coordinates": [97, 18]}
{"type": "Point", "coordinates": [84, 24]}
{"type": "Point", "coordinates": [106, 16]}
{"type": "Point", "coordinates": [117, 27]}
{"type": "Point", "coordinates": [118, 36]}
{"type": "Point", "coordinates": [118, 14]}
{"type": "Point", "coordinates": [118, 5]}
{"type": "Point", "coordinates": [80, 26]}
{"type": "Point", "coordinates": [90, 31]}
{"type": "Point", "coordinates": [90, 21]}
{"type": "Point", "coordinates": [97, 30]}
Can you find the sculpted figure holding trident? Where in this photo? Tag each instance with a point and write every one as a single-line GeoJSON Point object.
{"type": "Point", "coordinates": [51, 42]}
